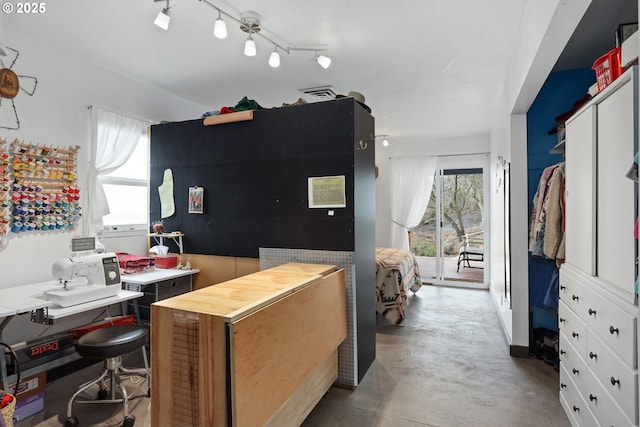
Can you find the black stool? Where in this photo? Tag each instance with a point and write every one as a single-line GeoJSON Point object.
{"type": "Point", "coordinates": [111, 343]}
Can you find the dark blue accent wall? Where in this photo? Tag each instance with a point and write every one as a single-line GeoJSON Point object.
{"type": "Point", "coordinates": [558, 95]}
{"type": "Point", "coordinates": [561, 90]}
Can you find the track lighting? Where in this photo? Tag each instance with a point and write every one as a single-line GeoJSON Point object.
{"type": "Point", "coordinates": [163, 18]}
{"type": "Point", "coordinates": [249, 23]}
{"type": "Point", "coordinates": [323, 61]}
{"type": "Point", "coordinates": [220, 27]}
{"type": "Point", "coordinates": [274, 59]}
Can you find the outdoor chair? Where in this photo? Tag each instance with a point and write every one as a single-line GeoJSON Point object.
{"type": "Point", "coordinates": [472, 249]}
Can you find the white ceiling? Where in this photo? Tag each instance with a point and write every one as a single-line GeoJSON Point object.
{"type": "Point", "coordinates": [428, 68]}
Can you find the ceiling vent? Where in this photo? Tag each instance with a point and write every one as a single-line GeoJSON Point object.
{"type": "Point", "coordinates": [320, 92]}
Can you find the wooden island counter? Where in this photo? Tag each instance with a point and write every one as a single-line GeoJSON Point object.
{"type": "Point", "coordinates": [257, 350]}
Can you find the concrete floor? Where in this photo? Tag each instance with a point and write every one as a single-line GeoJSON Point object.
{"type": "Point", "coordinates": [448, 367]}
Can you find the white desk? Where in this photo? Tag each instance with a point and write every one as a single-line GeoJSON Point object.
{"type": "Point", "coordinates": [6, 311]}
{"type": "Point", "coordinates": [156, 275]}
{"type": "Point", "coordinates": [29, 298]}
{"type": "Point", "coordinates": [157, 285]}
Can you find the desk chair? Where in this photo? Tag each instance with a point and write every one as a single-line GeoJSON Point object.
{"type": "Point", "coordinates": [111, 343]}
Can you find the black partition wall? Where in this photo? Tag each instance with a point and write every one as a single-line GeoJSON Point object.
{"type": "Point", "coordinates": [255, 179]}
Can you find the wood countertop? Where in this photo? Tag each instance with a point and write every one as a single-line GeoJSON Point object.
{"type": "Point", "coordinates": [244, 295]}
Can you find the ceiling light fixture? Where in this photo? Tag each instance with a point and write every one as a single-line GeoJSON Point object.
{"type": "Point", "coordinates": [250, 46]}
{"type": "Point", "coordinates": [385, 141]}
{"type": "Point", "coordinates": [323, 61]}
{"type": "Point", "coordinates": [274, 59]}
{"type": "Point", "coordinates": [250, 23]}
{"type": "Point", "coordinates": [220, 27]}
{"type": "Point", "coordinates": [163, 18]}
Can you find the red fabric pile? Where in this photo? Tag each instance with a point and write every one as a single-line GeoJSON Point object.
{"type": "Point", "coordinates": [133, 262]}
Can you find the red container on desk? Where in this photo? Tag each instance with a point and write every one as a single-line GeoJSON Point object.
{"type": "Point", "coordinates": [166, 261]}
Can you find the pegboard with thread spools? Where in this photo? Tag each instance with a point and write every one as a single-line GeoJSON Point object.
{"type": "Point", "coordinates": [39, 188]}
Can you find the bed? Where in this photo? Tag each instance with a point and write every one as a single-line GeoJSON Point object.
{"type": "Point", "coordinates": [397, 272]}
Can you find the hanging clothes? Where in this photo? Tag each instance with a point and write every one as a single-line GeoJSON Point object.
{"type": "Point", "coordinates": [553, 247]}
{"type": "Point", "coordinates": [537, 215]}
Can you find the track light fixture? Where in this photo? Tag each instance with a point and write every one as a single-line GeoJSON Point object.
{"type": "Point", "coordinates": [163, 18]}
{"type": "Point", "coordinates": [323, 61]}
{"type": "Point", "coordinates": [274, 59]}
{"type": "Point", "coordinates": [250, 46]}
{"type": "Point", "coordinates": [249, 23]}
{"type": "Point", "coordinates": [385, 141]}
{"type": "Point", "coordinates": [220, 27]}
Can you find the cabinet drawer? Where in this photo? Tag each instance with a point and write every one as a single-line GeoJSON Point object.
{"type": "Point", "coordinates": [572, 292]}
{"type": "Point", "coordinates": [613, 325]}
{"type": "Point", "coordinates": [603, 406]}
{"type": "Point", "coordinates": [572, 361]}
{"type": "Point", "coordinates": [616, 377]}
{"type": "Point", "coordinates": [574, 405]}
{"type": "Point", "coordinates": [171, 288]}
{"type": "Point", "coordinates": [575, 330]}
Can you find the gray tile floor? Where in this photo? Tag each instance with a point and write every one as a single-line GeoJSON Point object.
{"type": "Point", "coordinates": [448, 367]}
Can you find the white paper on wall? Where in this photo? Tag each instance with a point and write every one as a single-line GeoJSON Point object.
{"type": "Point", "coordinates": [167, 205]}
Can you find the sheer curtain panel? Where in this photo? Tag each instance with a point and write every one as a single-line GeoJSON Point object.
{"type": "Point", "coordinates": [411, 185]}
{"type": "Point", "coordinates": [114, 137]}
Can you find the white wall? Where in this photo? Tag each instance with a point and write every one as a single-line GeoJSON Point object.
{"type": "Point", "coordinates": [546, 28]}
{"type": "Point", "coordinates": [57, 115]}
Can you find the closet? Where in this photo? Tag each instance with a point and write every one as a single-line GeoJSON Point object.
{"type": "Point", "coordinates": [597, 314]}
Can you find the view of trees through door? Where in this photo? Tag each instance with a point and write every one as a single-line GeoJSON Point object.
{"type": "Point", "coordinates": [449, 241]}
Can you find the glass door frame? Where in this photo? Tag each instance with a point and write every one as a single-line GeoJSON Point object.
{"type": "Point", "coordinates": [462, 162]}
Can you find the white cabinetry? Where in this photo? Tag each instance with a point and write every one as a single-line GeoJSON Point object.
{"type": "Point", "coordinates": [598, 309]}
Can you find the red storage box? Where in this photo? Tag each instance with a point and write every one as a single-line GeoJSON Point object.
{"type": "Point", "coordinates": [608, 68]}
{"type": "Point", "coordinates": [166, 261]}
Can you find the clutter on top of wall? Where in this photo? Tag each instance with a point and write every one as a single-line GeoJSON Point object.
{"type": "Point", "coordinates": [39, 188]}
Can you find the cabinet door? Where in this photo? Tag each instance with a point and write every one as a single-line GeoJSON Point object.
{"type": "Point", "coordinates": [580, 185]}
{"type": "Point", "coordinates": [616, 193]}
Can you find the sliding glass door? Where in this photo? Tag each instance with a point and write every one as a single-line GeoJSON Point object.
{"type": "Point", "coordinates": [450, 242]}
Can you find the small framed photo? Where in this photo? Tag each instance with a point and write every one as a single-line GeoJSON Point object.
{"type": "Point", "coordinates": [196, 200]}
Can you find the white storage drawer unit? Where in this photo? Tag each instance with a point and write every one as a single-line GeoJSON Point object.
{"type": "Point", "coordinates": [598, 310]}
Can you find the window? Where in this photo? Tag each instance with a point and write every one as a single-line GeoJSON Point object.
{"type": "Point", "coordinates": [126, 189]}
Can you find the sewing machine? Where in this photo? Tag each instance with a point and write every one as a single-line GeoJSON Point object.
{"type": "Point", "coordinates": [85, 278]}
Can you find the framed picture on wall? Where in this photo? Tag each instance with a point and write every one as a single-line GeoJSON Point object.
{"type": "Point", "coordinates": [196, 200]}
{"type": "Point", "coordinates": [327, 192]}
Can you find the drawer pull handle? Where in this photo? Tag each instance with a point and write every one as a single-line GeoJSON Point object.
{"type": "Point", "coordinates": [563, 352]}
{"type": "Point", "coordinates": [613, 330]}
{"type": "Point", "coordinates": [593, 355]}
{"type": "Point", "coordinates": [615, 381]}
{"type": "Point", "coordinates": [562, 320]}
{"type": "Point", "coordinates": [174, 284]}
{"type": "Point", "coordinates": [593, 398]}
{"type": "Point", "coordinates": [576, 409]}
{"type": "Point", "coordinates": [563, 287]}
{"type": "Point", "coordinates": [575, 334]}
{"type": "Point", "coordinates": [591, 312]}
{"type": "Point", "coordinates": [575, 371]}
{"type": "Point", "coordinates": [563, 385]}
{"type": "Point", "coordinates": [575, 297]}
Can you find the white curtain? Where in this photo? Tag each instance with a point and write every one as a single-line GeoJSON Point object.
{"type": "Point", "coordinates": [411, 184]}
{"type": "Point", "coordinates": [113, 139]}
